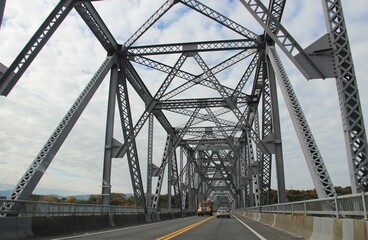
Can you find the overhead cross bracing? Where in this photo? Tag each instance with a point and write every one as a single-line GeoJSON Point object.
{"type": "Point", "coordinates": [215, 98]}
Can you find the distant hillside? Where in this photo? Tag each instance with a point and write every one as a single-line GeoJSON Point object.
{"type": "Point", "coordinates": [5, 193]}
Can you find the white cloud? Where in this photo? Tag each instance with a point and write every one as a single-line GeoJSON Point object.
{"type": "Point", "coordinates": [59, 73]}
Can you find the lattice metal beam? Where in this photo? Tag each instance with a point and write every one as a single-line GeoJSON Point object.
{"type": "Point", "coordinates": [196, 103]}
{"type": "Point", "coordinates": [284, 39]}
{"type": "Point", "coordinates": [93, 20]}
{"type": "Point", "coordinates": [130, 133]}
{"type": "Point", "coordinates": [212, 14]}
{"type": "Point", "coordinates": [317, 169]}
{"type": "Point", "coordinates": [34, 46]}
{"type": "Point", "coordinates": [150, 161]}
{"type": "Point", "coordinates": [347, 89]}
{"type": "Point", "coordinates": [156, 16]}
{"type": "Point", "coordinates": [33, 175]}
{"type": "Point", "coordinates": [192, 47]}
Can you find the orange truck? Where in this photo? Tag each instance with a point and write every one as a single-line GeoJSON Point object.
{"type": "Point", "coordinates": [205, 208]}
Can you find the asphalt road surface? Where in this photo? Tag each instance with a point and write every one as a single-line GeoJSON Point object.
{"type": "Point", "coordinates": [192, 228]}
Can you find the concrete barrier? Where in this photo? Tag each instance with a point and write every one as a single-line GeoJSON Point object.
{"type": "Point", "coordinates": [28, 227]}
{"type": "Point", "coordinates": [313, 228]}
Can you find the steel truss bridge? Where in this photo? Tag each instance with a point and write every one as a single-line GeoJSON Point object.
{"type": "Point", "coordinates": [230, 137]}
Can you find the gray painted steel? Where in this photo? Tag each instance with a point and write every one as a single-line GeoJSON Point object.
{"type": "Point", "coordinates": [229, 140]}
{"type": "Point", "coordinates": [348, 93]}
{"type": "Point", "coordinates": [2, 9]}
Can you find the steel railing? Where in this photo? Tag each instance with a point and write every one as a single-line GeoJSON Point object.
{"type": "Point", "coordinates": [35, 208]}
{"type": "Point", "coordinates": [347, 206]}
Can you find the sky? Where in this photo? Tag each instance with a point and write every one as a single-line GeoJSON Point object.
{"type": "Point", "coordinates": [36, 105]}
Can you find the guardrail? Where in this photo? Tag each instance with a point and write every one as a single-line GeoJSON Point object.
{"type": "Point", "coordinates": [35, 208]}
{"type": "Point", "coordinates": [347, 206]}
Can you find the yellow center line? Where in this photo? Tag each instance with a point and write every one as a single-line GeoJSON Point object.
{"type": "Point", "coordinates": [183, 230]}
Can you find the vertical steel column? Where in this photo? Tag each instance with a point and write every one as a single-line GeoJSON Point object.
{"type": "Point", "coordinates": [169, 175]}
{"type": "Point", "coordinates": [265, 165]}
{"type": "Point", "coordinates": [255, 188]}
{"type": "Point", "coordinates": [161, 173]}
{"type": "Point", "coordinates": [149, 161]}
{"type": "Point", "coordinates": [347, 88]}
{"type": "Point", "coordinates": [317, 169]}
{"type": "Point", "coordinates": [33, 175]}
{"type": "Point", "coordinates": [34, 46]}
{"type": "Point", "coordinates": [106, 177]}
{"type": "Point", "coordinates": [181, 164]}
{"type": "Point", "coordinates": [277, 135]}
{"type": "Point", "coordinates": [129, 137]}
{"type": "Point", "coordinates": [189, 178]}
{"type": "Point", "coordinates": [2, 8]}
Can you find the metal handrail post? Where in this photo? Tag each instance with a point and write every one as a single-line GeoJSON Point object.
{"type": "Point", "coordinates": [48, 209]}
{"type": "Point", "coordinates": [364, 206]}
{"type": "Point", "coordinates": [337, 207]}
{"type": "Point", "coordinates": [305, 208]}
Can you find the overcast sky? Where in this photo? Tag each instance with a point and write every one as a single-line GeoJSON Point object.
{"type": "Point", "coordinates": [56, 77]}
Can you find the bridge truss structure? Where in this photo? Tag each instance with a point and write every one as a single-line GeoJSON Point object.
{"type": "Point", "coordinates": [230, 137]}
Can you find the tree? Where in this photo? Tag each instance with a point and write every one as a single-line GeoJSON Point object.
{"type": "Point", "coordinates": [131, 201]}
{"type": "Point", "coordinates": [118, 199]}
{"type": "Point", "coordinates": [49, 198]}
{"type": "Point", "coordinates": [94, 199]}
{"type": "Point", "coordinates": [343, 190]}
{"type": "Point", "coordinates": [70, 199]}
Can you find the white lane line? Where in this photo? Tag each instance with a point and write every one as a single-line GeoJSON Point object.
{"type": "Point", "coordinates": [251, 229]}
{"type": "Point", "coordinates": [111, 231]}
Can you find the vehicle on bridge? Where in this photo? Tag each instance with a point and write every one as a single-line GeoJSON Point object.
{"type": "Point", "coordinates": [223, 212]}
{"type": "Point", "coordinates": [205, 208]}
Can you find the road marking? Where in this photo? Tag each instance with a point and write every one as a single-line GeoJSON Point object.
{"type": "Point", "coordinates": [251, 229]}
{"type": "Point", "coordinates": [110, 231]}
{"type": "Point", "coordinates": [183, 230]}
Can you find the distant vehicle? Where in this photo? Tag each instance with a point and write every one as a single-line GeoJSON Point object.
{"type": "Point", "coordinates": [205, 208]}
{"type": "Point", "coordinates": [223, 212]}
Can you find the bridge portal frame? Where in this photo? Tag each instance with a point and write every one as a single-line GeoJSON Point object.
{"type": "Point", "coordinates": [119, 61]}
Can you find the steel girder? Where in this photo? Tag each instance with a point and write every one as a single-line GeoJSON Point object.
{"type": "Point", "coordinates": [347, 89]}
{"type": "Point", "coordinates": [196, 103]}
{"type": "Point", "coordinates": [203, 9]}
{"type": "Point", "coordinates": [276, 7]}
{"type": "Point", "coordinates": [241, 118]}
{"type": "Point", "coordinates": [317, 169]}
{"type": "Point", "coordinates": [129, 131]}
{"type": "Point", "coordinates": [93, 20]}
{"type": "Point", "coordinates": [218, 145]}
{"type": "Point", "coordinates": [2, 8]}
{"type": "Point", "coordinates": [204, 117]}
{"type": "Point", "coordinates": [202, 79]}
{"type": "Point", "coordinates": [150, 161]}
{"type": "Point", "coordinates": [169, 151]}
{"type": "Point", "coordinates": [34, 46]}
{"type": "Point", "coordinates": [156, 16]}
{"type": "Point", "coordinates": [109, 140]}
{"type": "Point", "coordinates": [144, 93]}
{"type": "Point", "coordinates": [284, 39]}
{"type": "Point", "coordinates": [196, 142]}
{"type": "Point", "coordinates": [33, 175]}
{"type": "Point", "coordinates": [200, 131]}
{"type": "Point", "coordinates": [193, 79]}
{"type": "Point", "coordinates": [137, 83]}
{"type": "Point", "coordinates": [192, 47]}
{"type": "Point", "coordinates": [275, 141]}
